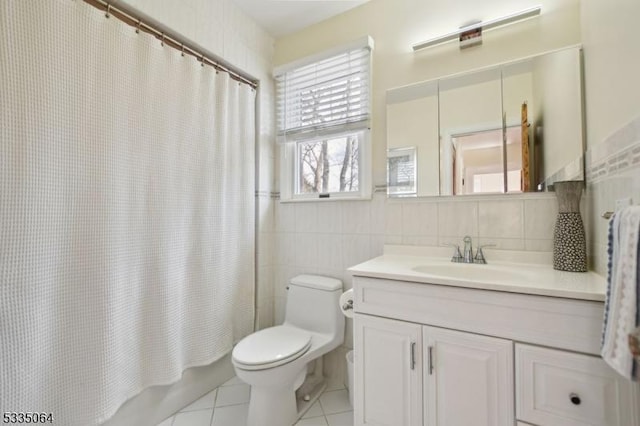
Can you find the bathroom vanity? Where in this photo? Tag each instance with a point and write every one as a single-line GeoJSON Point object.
{"type": "Point", "coordinates": [508, 343]}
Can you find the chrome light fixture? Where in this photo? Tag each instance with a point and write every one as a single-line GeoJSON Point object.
{"type": "Point", "coordinates": [482, 26]}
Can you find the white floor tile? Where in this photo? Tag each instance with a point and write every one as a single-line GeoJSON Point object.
{"type": "Point", "coordinates": [193, 418]}
{"type": "Point", "coordinates": [233, 381]}
{"type": "Point", "coordinates": [167, 422]}
{"type": "Point", "coordinates": [334, 385]}
{"type": "Point", "coordinates": [313, 421]}
{"type": "Point", "coordinates": [342, 419]}
{"type": "Point", "coordinates": [314, 411]}
{"type": "Point", "coordinates": [207, 401]}
{"type": "Point", "coordinates": [335, 402]}
{"type": "Point", "coordinates": [232, 415]}
{"type": "Point", "coordinates": [231, 395]}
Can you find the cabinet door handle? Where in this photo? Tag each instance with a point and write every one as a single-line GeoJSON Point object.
{"type": "Point", "coordinates": [430, 360]}
{"type": "Point", "coordinates": [413, 355]}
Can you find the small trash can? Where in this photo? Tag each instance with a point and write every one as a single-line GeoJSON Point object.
{"type": "Point", "coordinates": [350, 376]}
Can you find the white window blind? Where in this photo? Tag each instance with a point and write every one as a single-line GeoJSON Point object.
{"type": "Point", "coordinates": [326, 97]}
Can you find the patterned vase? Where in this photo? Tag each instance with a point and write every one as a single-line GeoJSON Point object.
{"type": "Point", "coordinates": [569, 242]}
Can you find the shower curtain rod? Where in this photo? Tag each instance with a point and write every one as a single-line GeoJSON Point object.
{"type": "Point", "coordinates": [168, 38]}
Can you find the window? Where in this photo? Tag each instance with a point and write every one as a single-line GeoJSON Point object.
{"type": "Point", "coordinates": [323, 114]}
{"type": "Point", "coordinates": [401, 171]}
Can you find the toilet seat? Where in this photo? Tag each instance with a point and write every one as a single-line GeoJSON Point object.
{"type": "Point", "coordinates": [271, 347]}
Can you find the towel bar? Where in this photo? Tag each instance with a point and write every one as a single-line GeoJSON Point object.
{"type": "Point", "coordinates": [607, 215]}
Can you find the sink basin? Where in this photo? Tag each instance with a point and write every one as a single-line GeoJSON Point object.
{"type": "Point", "coordinates": [471, 272]}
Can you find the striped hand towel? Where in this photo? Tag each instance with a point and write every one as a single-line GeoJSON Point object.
{"type": "Point", "coordinates": [622, 305]}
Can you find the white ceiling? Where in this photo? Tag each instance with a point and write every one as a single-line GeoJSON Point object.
{"type": "Point", "coordinates": [282, 17]}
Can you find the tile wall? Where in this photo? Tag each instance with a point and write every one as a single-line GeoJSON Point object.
{"type": "Point", "coordinates": [613, 172]}
{"type": "Point", "coordinates": [328, 237]}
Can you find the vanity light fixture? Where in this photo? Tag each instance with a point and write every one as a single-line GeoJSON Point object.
{"type": "Point", "coordinates": [481, 26]}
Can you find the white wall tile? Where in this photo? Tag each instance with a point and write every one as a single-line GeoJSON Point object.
{"type": "Point", "coordinates": [355, 249]}
{"type": "Point", "coordinates": [500, 219]}
{"type": "Point", "coordinates": [356, 217]}
{"type": "Point", "coordinates": [393, 219]}
{"type": "Point", "coordinates": [457, 219]}
{"type": "Point", "coordinates": [377, 245]}
{"type": "Point", "coordinates": [306, 251]}
{"type": "Point", "coordinates": [285, 216]}
{"type": "Point", "coordinates": [378, 214]}
{"type": "Point", "coordinates": [286, 249]}
{"type": "Point", "coordinates": [419, 219]}
{"type": "Point", "coordinates": [419, 240]}
{"type": "Point", "coordinates": [329, 218]}
{"type": "Point", "coordinates": [538, 245]}
{"type": "Point", "coordinates": [500, 243]}
{"type": "Point", "coordinates": [329, 251]}
{"type": "Point", "coordinates": [264, 314]}
{"type": "Point", "coordinates": [306, 217]}
{"type": "Point", "coordinates": [540, 218]}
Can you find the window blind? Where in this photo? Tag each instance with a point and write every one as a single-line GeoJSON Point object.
{"type": "Point", "coordinates": [327, 97]}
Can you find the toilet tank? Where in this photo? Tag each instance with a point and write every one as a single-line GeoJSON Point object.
{"type": "Point", "coordinates": [312, 304]}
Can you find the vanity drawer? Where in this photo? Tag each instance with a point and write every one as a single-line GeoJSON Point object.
{"type": "Point", "coordinates": [569, 324]}
{"type": "Point", "coordinates": [557, 388]}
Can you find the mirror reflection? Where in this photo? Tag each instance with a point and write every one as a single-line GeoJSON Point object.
{"type": "Point", "coordinates": [506, 129]}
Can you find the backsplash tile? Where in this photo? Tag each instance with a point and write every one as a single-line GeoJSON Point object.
{"type": "Point", "coordinates": [457, 219]}
{"type": "Point", "coordinates": [613, 172]}
{"type": "Point", "coordinates": [501, 219]}
{"type": "Point", "coordinates": [419, 219]}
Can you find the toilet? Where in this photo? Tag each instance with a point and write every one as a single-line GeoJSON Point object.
{"type": "Point", "coordinates": [274, 361]}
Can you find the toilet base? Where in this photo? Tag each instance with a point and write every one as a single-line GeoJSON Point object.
{"type": "Point", "coordinates": [314, 393]}
{"type": "Point", "coordinates": [272, 407]}
{"type": "Point", "coordinates": [283, 406]}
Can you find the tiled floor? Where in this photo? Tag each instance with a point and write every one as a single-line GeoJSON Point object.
{"type": "Point", "coordinates": [228, 406]}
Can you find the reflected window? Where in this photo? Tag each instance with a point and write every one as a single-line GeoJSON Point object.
{"type": "Point", "coordinates": [401, 171]}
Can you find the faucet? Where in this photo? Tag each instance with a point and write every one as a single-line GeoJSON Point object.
{"type": "Point", "coordinates": [467, 253]}
{"type": "Point", "coordinates": [466, 256]}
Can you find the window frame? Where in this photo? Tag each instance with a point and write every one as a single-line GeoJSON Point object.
{"type": "Point", "coordinates": [289, 167]}
{"type": "Point", "coordinates": [289, 172]}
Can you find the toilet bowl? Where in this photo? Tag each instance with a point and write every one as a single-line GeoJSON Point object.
{"type": "Point", "coordinates": [274, 361]}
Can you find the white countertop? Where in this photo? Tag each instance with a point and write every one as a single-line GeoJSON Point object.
{"type": "Point", "coordinates": [508, 271]}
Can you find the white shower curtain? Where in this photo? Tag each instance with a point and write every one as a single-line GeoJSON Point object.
{"type": "Point", "coordinates": [126, 211]}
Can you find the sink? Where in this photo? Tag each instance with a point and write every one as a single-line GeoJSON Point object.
{"type": "Point", "coordinates": [468, 271]}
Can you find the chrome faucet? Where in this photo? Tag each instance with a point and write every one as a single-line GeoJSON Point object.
{"type": "Point", "coordinates": [467, 253]}
{"type": "Point", "coordinates": [466, 256]}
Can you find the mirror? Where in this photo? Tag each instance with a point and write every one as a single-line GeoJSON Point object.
{"type": "Point", "coordinates": [511, 128]}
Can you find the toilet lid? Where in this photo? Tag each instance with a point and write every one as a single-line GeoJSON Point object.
{"type": "Point", "coordinates": [272, 345]}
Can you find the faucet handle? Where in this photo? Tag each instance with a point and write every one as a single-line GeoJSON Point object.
{"type": "Point", "coordinates": [457, 255]}
{"type": "Point", "coordinates": [479, 258]}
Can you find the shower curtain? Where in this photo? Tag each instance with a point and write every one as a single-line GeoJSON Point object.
{"type": "Point", "coordinates": [126, 211]}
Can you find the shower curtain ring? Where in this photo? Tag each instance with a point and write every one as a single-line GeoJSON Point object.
{"type": "Point", "coordinates": [138, 26]}
{"type": "Point", "coordinates": [182, 54]}
{"type": "Point", "coordinates": [108, 14]}
{"type": "Point", "coordinates": [202, 60]}
{"type": "Point", "coordinates": [162, 41]}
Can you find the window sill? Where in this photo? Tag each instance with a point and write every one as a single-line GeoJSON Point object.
{"type": "Point", "coordinates": [324, 200]}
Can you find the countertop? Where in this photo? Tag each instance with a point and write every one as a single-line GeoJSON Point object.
{"type": "Point", "coordinates": [507, 271]}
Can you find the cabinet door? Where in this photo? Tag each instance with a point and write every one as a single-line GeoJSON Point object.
{"type": "Point", "coordinates": [387, 372]}
{"type": "Point", "coordinates": [468, 379]}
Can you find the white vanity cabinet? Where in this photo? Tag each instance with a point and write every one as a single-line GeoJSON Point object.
{"type": "Point", "coordinates": [389, 367]}
{"type": "Point", "coordinates": [468, 379]}
{"type": "Point", "coordinates": [437, 355]}
{"type": "Point", "coordinates": [413, 375]}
